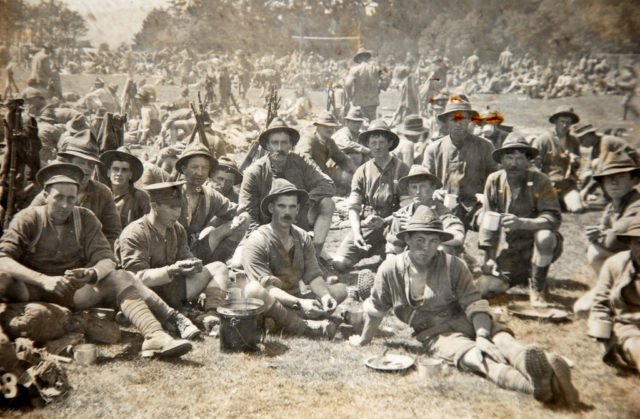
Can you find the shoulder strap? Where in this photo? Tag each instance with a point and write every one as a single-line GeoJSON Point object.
{"type": "Point", "coordinates": [41, 220]}
{"type": "Point", "coordinates": [77, 228]}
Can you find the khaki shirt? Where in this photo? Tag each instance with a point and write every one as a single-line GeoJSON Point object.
{"type": "Point", "coordinates": [264, 255]}
{"type": "Point", "coordinates": [53, 253]}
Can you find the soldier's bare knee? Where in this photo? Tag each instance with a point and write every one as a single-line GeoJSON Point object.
{"type": "Point", "coordinates": [632, 348]}
{"type": "Point", "coordinates": [326, 206]}
{"type": "Point", "coordinates": [253, 289]}
{"type": "Point", "coordinates": [338, 292]}
{"type": "Point", "coordinates": [545, 240]}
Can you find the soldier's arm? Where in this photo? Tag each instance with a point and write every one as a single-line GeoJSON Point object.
{"type": "Point", "coordinates": [249, 196]}
{"type": "Point", "coordinates": [340, 157]}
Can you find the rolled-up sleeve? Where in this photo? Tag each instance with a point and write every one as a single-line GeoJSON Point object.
{"type": "Point", "coordinates": [255, 256]}
{"type": "Point", "coordinates": [381, 301]}
{"type": "Point", "coordinates": [601, 308]}
{"type": "Point", "coordinates": [358, 188]}
{"type": "Point", "coordinates": [465, 291]}
{"type": "Point", "coordinates": [17, 236]}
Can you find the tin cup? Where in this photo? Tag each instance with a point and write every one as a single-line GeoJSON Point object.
{"type": "Point", "coordinates": [491, 221]}
{"type": "Point", "coordinates": [600, 329]}
{"type": "Point", "coordinates": [429, 368]}
{"type": "Point", "coordinates": [451, 200]}
{"type": "Point", "coordinates": [234, 293]}
{"type": "Point", "coordinates": [85, 354]}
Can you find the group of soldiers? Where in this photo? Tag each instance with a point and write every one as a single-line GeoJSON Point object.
{"type": "Point", "coordinates": [165, 241]}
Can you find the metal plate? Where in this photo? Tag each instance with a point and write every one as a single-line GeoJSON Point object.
{"type": "Point", "coordinates": [389, 362]}
{"type": "Point", "coordinates": [525, 311]}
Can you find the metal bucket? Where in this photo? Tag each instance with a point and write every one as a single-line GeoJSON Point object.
{"type": "Point", "coordinates": [241, 324]}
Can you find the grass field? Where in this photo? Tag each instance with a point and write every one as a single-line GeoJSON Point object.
{"type": "Point", "coordinates": [295, 377]}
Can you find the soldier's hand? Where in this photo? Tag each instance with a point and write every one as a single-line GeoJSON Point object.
{"type": "Point", "coordinates": [490, 267]}
{"type": "Point", "coordinates": [511, 222]}
{"type": "Point", "coordinates": [593, 233]}
{"type": "Point", "coordinates": [490, 349]}
{"type": "Point", "coordinates": [328, 303]}
{"type": "Point", "coordinates": [438, 195]}
{"type": "Point", "coordinates": [57, 285]}
{"type": "Point", "coordinates": [240, 222]}
{"type": "Point", "coordinates": [361, 243]}
{"type": "Point", "coordinates": [80, 275]}
{"type": "Point", "coordinates": [186, 267]}
{"type": "Point", "coordinates": [311, 308]}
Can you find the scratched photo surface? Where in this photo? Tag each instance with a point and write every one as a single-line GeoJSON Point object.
{"type": "Point", "coordinates": [166, 73]}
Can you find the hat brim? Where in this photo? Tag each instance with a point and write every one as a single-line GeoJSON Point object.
{"type": "Point", "coordinates": [404, 131]}
{"type": "Point", "coordinates": [303, 197]}
{"type": "Point", "coordinates": [634, 232]}
{"type": "Point", "coordinates": [444, 236]}
{"type": "Point", "coordinates": [574, 117]}
{"type": "Point", "coordinates": [326, 124]}
{"type": "Point", "coordinates": [592, 130]}
{"type": "Point", "coordinates": [390, 135]}
{"type": "Point", "coordinates": [183, 160]}
{"type": "Point", "coordinates": [616, 170]}
{"type": "Point", "coordinates": [294, 135]}
{"type": "Point", "coordinates": [531, 152]}
{"type": "Point", "coordinates": [42, 174]}
{"type": "Point", "coordinates": [444, 115]}
{"type": "Point", "coordinates": [403, 182]}
{"type": "Point", "coordinates": [85, 156]}
{"type": "Point", "coordinates": [110, 156]}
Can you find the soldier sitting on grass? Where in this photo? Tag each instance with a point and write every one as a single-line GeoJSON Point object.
{"type": "Point", "coordinates": [433, 292]}
{"type": "Point", "coordinates": [50, 251]}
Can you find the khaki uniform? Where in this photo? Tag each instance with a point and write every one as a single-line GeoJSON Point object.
{"type": "Point", "coordinates": [442, 317]}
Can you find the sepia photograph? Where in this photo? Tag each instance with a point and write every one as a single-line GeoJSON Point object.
{"type": "Point", "coordinates": [319, 208]}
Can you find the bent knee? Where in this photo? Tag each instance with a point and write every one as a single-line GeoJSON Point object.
{"type": "Point", "coordinates": [253, 289]}
{"type": "Point", "coordinates": [5, 282]}
{"type": "Point", "coordinates": [326, 206]}
{"type": "Point", "coordinates": [545, 240]}
{"type": "Point", "coordinates": [338, 292]}
{"type": "Point", "coordinates": [341, 264]}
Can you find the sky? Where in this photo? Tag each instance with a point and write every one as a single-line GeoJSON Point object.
{"type": "Point", "coordinates": [113, 21]}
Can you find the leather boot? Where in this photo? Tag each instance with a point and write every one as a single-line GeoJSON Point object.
{"type": "Point", "coordinates": [185, 327]}
{"type": "Point", "coordinates": [538, 286]}
{"type": "Point", "coordinates": [533, 364]}
{"type": "Point", "coordinates": [157, 341]}
{"type": "Point", "coordinates": [563, 390]}
{"type": "Point", "coordinates": [291, 323]}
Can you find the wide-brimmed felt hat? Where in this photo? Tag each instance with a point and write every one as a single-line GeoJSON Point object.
{"type": "Point", "coordinates": [412, 125]}
{"type": "Point", "coordinates": [327, 119]}
{"type": "Point", "coordinates": [229, 165]}
{"type": "Point", "coordinates": [165, 192]}
{"type": "Point", "coordinates": [514, 142]}
{"type": "Point", "coordinates": [122, 154]}
{"type": "Point", "coordinates": [632, 228]}
{"type": "Point", "coordinates": [81, 144]}
{"type": "Point", "coordinates": [424, 220]}
{"type": "Point", "coordinates": [77, 123]}
{"type": "Point", "coordinates": [418, 172]}
{"type": "Point", "coordinates": [616, 162]}
{"type": "Point", "coordinates": [278, 125]}
{"type": "Point", "coordinates": [379, 127]}
{"type": "Point", "coordinates": [440, 97]}
{"type": "Point", "coordinates": [195, 149]}
{"type": "Point", "coordinates": [279, 187]}
{"type": "Point", "coordinates": [457, 106]}
{"type": "Point", "coordinates": [59, 173]}
{"type": "Point", "coordinates": [582, 128]}
{"type": "Point", "coordinates": [564, 110]}
{"type": "Point", "coordinates": [355, 114]}
{"type": "Point", "coordinates": [361, 53]}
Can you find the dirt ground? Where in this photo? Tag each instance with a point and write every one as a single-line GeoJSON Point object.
{"type": "Point", "coordinates": [295, 377]}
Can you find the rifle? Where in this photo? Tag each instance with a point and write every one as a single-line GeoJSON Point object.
{"type": "Point", "coordinates": [273, 104]}
{"type": "Point", "coordinates": [12, 132]}
{"type": "Point", "coordinates": [199, 128]}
